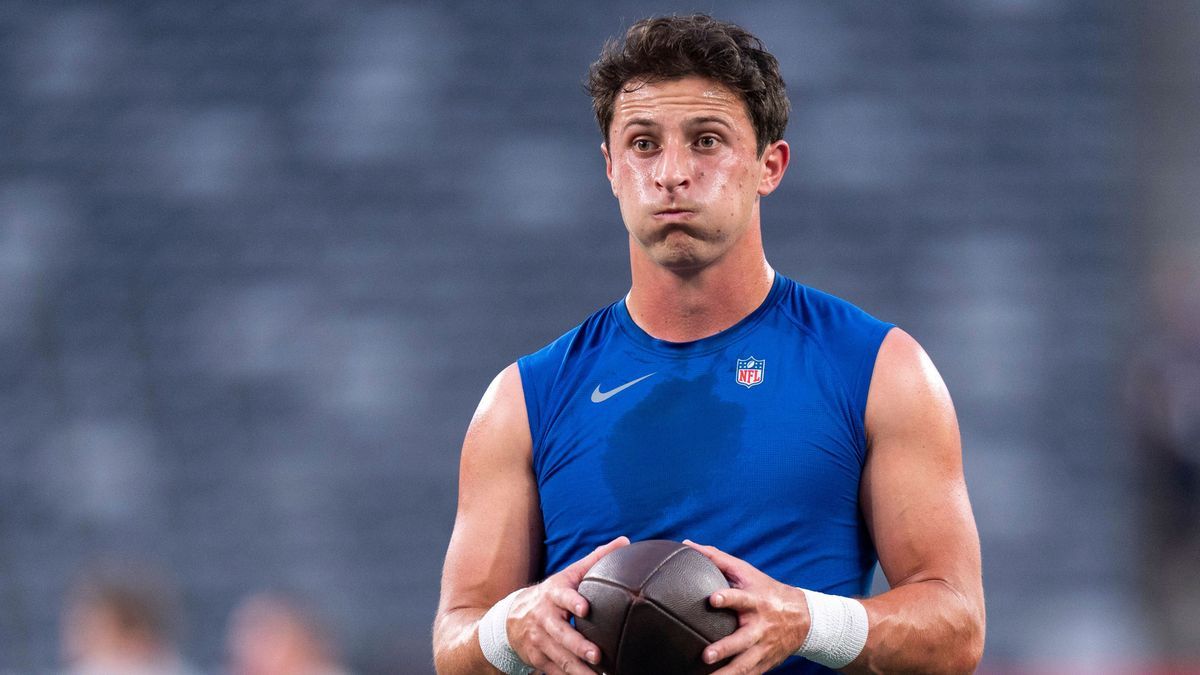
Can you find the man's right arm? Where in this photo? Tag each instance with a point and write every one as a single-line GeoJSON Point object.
{"type": "Point", "coordinates": [496, 548]}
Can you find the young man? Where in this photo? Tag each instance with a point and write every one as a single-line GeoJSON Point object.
{"type": "Point", "coordinates": [793, 435]}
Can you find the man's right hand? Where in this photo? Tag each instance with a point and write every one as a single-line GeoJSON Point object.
{"type": "Point", "coordinates": [539, 628]}
{"type": "Point", "coordinates": [497, 546]}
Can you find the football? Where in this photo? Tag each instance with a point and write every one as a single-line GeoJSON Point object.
{"type": "Point", "coordinates": [649, 610]}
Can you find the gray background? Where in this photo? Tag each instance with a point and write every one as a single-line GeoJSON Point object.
{"type": "Point", "coordinates": [258, 260]}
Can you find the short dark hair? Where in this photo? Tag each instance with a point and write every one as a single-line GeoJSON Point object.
{"type": "Point", "coordinates": [671, 47]}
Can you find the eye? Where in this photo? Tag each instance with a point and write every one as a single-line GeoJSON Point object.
{"type": "Point", "coordinates": [707, 142]}
{"type": "Point", "coordinates": [643, 145]}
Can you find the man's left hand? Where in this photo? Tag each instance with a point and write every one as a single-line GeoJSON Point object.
{"type": "Point", "coordinates": [772, 617]}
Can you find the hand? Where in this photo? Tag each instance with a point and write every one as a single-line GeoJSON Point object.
{"type": "Point", "coordinates": [538, 621]}
{"type": "Point", "coordinates": [772, 617]}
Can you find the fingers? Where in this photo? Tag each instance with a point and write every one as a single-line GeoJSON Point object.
{"type": "Point", "coordinates": [747, 662]}
{"type": "Point", "coordinates": [573, 642]}
{"type": "Point", "coordinates": [555, 647]}
{"type": "Point", "coordinates": [564, 650]}
{"type": "Point", "coordinates": [569, 599]}
{"type": "Point", "coordinates": [734, 569]}
{"type": "Point", "coordinates": [580, 567]}
{"type": "Point", "coordinates": [733, 598]}
{"type": "Point", "coordinates": [556, 661]}
{"type": "Point", "coordinates": [739, 641]}
{"type": "Point", "coordinates": [545, 639]}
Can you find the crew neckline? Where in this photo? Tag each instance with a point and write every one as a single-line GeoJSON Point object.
{"type": "Point", "coordinates": [706, 344]}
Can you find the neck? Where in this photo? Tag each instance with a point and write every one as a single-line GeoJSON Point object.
{"type": "Point", "coordinates": [682, 306]}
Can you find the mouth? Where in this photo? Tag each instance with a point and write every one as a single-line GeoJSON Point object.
{"type": "Point", "coordinates": [673, 213]}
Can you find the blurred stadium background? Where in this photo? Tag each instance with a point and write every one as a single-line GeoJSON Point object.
{"type": "Point", "coordinates": [258, 260]}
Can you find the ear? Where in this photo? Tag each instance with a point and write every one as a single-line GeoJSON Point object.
{"type": "Point", "coordinates": [774, 163]}
{"type": "Point", "coordinates": [608, 171]}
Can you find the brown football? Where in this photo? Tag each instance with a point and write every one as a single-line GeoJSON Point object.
{"type": "Point", "coordinates": [649, 609]}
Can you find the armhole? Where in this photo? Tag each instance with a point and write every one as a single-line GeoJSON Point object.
{"type": "Point", "coordinates": [866, 376]}
{"type": "Point", "coordinates": [532, 407]}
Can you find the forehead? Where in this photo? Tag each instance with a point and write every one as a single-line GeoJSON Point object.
{"type": "Point", "coordinates": [677, 100]}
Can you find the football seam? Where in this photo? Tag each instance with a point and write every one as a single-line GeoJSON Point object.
{"type": "Point", "coordinates": [679, 621]}
{"type": "Point", "coordinates": [664, 561]}
{"type": "Point", "coordinates": [624, 627]}
{"type": "Point", "coordinates": [682, 548]}
{"type": "Point", "coordinates": [642, 598]}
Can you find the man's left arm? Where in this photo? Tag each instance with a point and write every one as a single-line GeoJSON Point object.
{"type": "Point", "coordinates": [914, 500]}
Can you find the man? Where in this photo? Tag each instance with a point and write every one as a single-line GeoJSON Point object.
{"type": "Point", "coordinates": [791, 433]}
{"type": "Point", "coordinates": [274, 634]}
{"type": "Point", "coordinates": [120, 619]}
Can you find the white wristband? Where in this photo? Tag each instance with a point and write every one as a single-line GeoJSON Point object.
{"type": "Point", "coordinates": [493, 639]}
{"type": "Point", "coordinates": [837, 631]}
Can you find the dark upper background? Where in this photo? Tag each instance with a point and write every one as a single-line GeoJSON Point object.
{"type": "Point", "coordinates": [259, 260]}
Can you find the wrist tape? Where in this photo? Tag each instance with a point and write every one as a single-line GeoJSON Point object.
{"type": "Point", "coordinates": [493, 639]}
{"type": "Point", "coordinates": [837, 632]}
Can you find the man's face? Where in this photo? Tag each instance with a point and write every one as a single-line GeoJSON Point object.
{"type": "Point", "coordinates": [683, 164]}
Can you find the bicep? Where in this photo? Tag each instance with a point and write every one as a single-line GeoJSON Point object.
{"type": "Point", "coordinates": [495, 545]}
{"type": "Point", "coordinates": [914, 496]}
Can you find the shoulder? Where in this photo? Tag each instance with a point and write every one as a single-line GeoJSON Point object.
{"type": "Point", "coordinates": [583, 338]}
{"type": "Point", "coordinates": [908, 395]}
{"type": "Point", "coordinates": [904, 372]}
{"type": "Point", "coordinates": [901, 353]}
{"type": "Point", "coordinates": [500, 414]}
{"type": "Point", "coordinates": [543, 372]}
{"type": "Point", "coordinates": [827, 316]}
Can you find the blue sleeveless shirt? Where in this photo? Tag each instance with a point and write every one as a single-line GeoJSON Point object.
{"type": "Point", "coordinates": [750, 440]}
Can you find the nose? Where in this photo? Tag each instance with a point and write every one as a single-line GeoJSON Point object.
{"type": "Point", "coordinates": [674, 168]}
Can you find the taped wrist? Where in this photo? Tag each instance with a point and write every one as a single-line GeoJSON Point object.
{"type": "Point", "coordinates": [837, 632]}
{"type": "Point", "coordinates": [493, 639]}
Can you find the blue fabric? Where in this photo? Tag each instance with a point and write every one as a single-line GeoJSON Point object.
{"type": "Point", "coordinates": [769, 472]}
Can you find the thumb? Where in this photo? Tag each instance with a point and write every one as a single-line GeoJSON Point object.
{"type": "Point", "coordinates": [575, 571]}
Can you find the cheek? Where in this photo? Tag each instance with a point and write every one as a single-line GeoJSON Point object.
{"type": "Point", "coordinates": [640, 181]}
{"type": "Point", "coordinates": [627, 173]}
{"type": "Point", "coordinates": [744, 181]}
{"type": "Point", "coordinates": [724, 176]}
{"type": "Point", "coordinates": [733, 183]}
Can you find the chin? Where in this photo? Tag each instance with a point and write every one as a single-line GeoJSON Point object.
{"type": "Point", "coordinates": [681, 259]}
{"type": "Point", "coordinates": [679, 248]}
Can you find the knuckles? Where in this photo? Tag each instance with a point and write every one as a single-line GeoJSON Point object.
{"type": "Point", "coordinates": [537, 624]}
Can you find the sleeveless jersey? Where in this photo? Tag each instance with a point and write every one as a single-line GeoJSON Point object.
{"type": "Point", "coordinates": [750, 440]}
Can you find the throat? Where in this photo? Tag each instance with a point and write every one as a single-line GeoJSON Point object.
{"type": "Point", "coordinates": [696, 308]}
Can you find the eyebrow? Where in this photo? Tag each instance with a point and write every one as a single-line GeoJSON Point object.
{"type": "Point", "coordinates": [640, 122]}
{"type": "Point", "coordinates": [698, 121]}
{"type": "Point", "coordinates": [711, 119]}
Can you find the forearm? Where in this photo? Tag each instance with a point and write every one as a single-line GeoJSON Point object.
{"type": "Point", "coordinates": [456, 648]}
{"type": "Point", "coordinates": [927, 626]}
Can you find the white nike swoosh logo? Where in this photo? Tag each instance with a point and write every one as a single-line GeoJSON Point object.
{"type": "Point", "coordinates": [602, 396]}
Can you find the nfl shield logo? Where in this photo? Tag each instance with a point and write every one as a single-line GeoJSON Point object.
{"type": "Point", "coordinates": [750, 371]}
